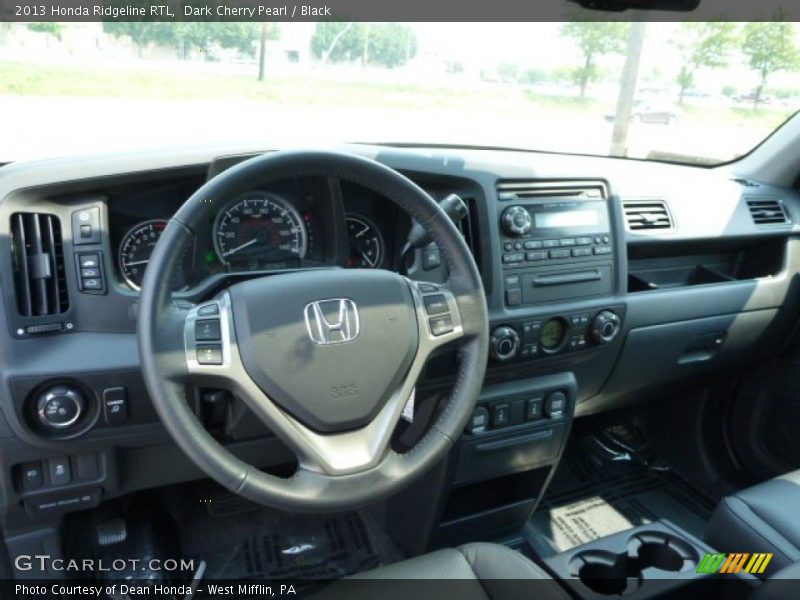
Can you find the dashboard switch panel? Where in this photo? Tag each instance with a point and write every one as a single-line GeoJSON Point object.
{"type": "Point", "coordinates": [86, 226]}
{"type": "Point", "coordinates": [91, 279]}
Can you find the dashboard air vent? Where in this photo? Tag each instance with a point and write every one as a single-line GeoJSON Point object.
{"type": "Point", "coordinates": [767, 211]}
{"type": "Point", "coordinates": [38, 259]}
{"type": "Point", "coordinates": [647, 215]}
{"type": "Point", "coordinates": [524, 190]}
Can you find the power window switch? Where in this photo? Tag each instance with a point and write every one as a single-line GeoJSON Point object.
{"type": "Point", "coordinates": [60, 472]}
{"type": "Point", "coordinates": [31, 475]}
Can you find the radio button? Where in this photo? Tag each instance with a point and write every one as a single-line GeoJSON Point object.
{"type": "Point", "coordinates": [517, 245]}
{"type": "Point", "coordinates": [581, 252]}
{"type": "Point", "coordinates": [514, 297]}
{"type": "Point", "coordinates": [536, 255]}
{"type": "Point", "coordinates": [559, 253]}
{"type": "Point", "coordinates": [583, 241]}
{"type": "Point", "coordinates": [598, 239]}
{"type": "Point", "coordinates": [531, 331]}
{"type": "Point", "coordinates": [512, 282]}
{"type": "Point", "coordinates": [606, 239]}
{"type": "Point", "coordinates": [533, 244]}
{"type": "Point", "coordinates": [567, 241]}
{"type": "Point", "coordinates": [508, 246]}
{"type": "Point", "coordinates": [602, 249]}
{"type": "Point", "coordinates": [550, 243]}
{"type": "Point", "coordinates": [513, 258]}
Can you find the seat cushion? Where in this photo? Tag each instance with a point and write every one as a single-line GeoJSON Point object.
{"type": "Point", "coordinates": [762, 518]}
{"type": "Point", "coordinates": [471, 572]}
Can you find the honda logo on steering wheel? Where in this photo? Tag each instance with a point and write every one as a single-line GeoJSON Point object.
{"type": "Point", "coordinates": [332, 321]}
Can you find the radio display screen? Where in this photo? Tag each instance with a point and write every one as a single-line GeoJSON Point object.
{"type": "Point", "coordinates": [567, 218]}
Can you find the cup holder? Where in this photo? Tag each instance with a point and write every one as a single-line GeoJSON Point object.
{"type": "Point", "coordinates": [618, 574]}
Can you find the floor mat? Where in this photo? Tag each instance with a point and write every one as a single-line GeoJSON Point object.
{"type": "Point", "coordinates": [240, 540]}
{"type": "Point", "coordinates": [597, 492]}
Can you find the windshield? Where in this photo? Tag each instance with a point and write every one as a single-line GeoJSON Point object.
{"type": "Point", "coordinates": [688, 92]}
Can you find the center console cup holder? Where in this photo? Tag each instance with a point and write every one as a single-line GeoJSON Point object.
{"type": "Point", "coordinates": [648, 555]}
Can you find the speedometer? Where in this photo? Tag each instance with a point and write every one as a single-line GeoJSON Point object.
{"type": "Point", "coordinates": [259, 229]}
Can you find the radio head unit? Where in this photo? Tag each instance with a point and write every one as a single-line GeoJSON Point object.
{"type": "Point", "coordinates": [564, 247]}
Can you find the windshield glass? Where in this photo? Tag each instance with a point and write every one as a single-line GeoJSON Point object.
{"type": "Point", "coordinates": [689, 92]}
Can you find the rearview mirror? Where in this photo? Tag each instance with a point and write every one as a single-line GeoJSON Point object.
{"type": "Point", "coordinates": [620, 5]}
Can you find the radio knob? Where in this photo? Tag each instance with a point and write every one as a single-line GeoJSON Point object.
{"type": "Point", "coordinates": [516, 221]}
{"type": "Point", "coordinates": [60, 407]}
{"type": "Point", "coordinates": [605, 327]}
{"type": "Point", "coordinates": [504, 344]}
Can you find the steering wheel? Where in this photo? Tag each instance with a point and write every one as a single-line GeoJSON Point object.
{"type": "Point", "coordinates": [326, 358]}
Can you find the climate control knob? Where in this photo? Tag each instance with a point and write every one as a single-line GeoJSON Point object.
{"type": "Point", "coordinates": [504, 343]}
{"type": "Point", "coordinates": [605, 327]}
{"type": "Point", "coordinates": [516, 221]}
{"type": "Point", "coordinates": [60, 407]}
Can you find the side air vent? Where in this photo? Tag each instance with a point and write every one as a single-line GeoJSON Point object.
{"type": "Point", "coordinates": [38, 259]}
{"type": "Point", "coordinates": [647, 215]}
{"type": "Point", "coordinates": [746, 182]}
{"type": "Point", "coordinates": [525, 190]}
{"type": "Point", "coordinates": [767, 211]}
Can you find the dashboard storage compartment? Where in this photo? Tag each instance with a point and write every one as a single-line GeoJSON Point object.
{"type": "Point", "coordinates": [662, 266]}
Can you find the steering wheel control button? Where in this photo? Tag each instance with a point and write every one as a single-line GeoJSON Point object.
{"type": "Point", "coordinates": [435, 305]}
{"type": "Point", "coordinates": [115, 405]}
{"type": "Point", "coordinates": [533, 408]}
{"type": "Point", "coordinates": [501, 415]}
{"type": "Point", "coordinates": [207, 330]}
{"type": "Point", "coordinates": [60, 472]}
{"type": "Point", "coordinates": [555, 405]}
{"type": "Point", "coordinates": [209, 354]}
{"type": "Point", "coordinates": [428, 288]}
{"type": "Point", "coordinates": [479, 420]}
{"type": "Point", "coordinates": [31, 475]}
{"type": "Point", "coordinates": [208, 310]}
{"type": "Point", "coordinates": [59, 407]}
{"type": "Point", "coordinates": [441, 325]}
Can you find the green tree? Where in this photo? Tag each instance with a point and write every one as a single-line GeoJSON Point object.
{"type": "Point", "coordinates": [770, 47]}
{"type": "Point", "coordinates": [702, 45]}
{"type": "Point", "coordinates": [386, 44]}
{"type": "Point", "coordinates": [53, 29]}
{"type": "Point", "coordinates": [594, 38]}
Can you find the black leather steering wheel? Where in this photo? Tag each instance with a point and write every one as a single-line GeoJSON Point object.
{"type": "Point", "coordinates": [326, 358]}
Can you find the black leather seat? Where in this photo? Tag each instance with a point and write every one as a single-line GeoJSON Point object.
{"type": "Point", "coordinates": [762, 518]}
{"type": "Point", "coordinates": [472, 572]}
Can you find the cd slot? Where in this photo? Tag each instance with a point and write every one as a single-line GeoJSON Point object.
{"type": "Point", "coordinates": [560, 284]}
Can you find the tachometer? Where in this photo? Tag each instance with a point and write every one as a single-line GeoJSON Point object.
{"type": "Point", "coordinates": [258, 229]}
{"type": "Point", "coordinates": [366, 243]}
{"type": "Point", "coordinates": [135, 250]}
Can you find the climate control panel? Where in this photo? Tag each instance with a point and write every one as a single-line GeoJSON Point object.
{"type": "Point", "coordinates": [541, 337]}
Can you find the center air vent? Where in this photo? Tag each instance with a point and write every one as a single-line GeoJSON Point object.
{"type": "Point", "coordinates": [38, 264]}
{"type": "Point", "coordinates": [647, 215]}
{"type": "Point", "coordinates": [767, 211]}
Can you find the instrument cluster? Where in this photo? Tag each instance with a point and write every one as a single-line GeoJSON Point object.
{"type": "Point", "coordinates": [285, 226]}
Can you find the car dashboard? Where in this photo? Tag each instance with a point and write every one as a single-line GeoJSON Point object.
{"type": "Point", "coordinates": [607, 281]}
